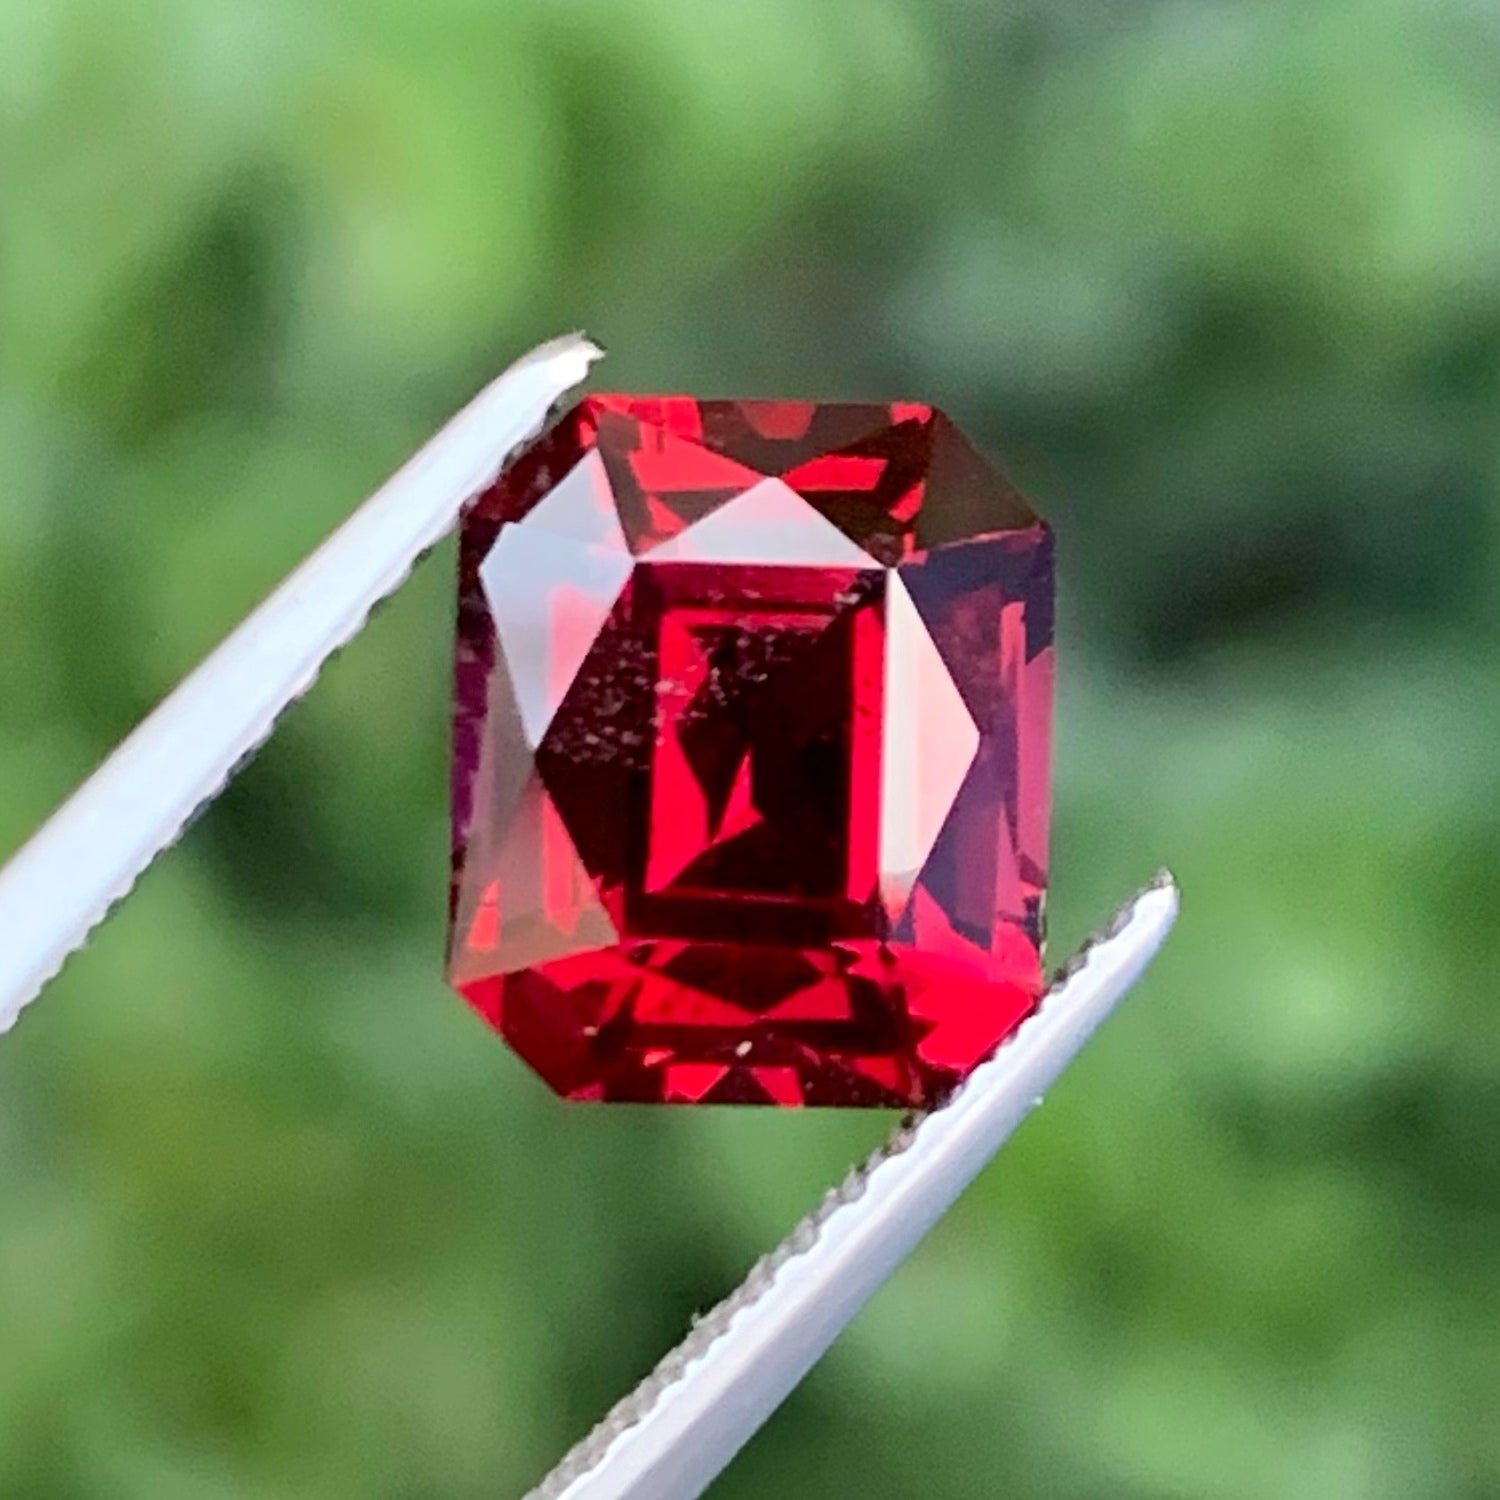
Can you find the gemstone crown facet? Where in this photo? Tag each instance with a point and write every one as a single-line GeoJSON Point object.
{"type": "Point", "coordinates": [751, 753]}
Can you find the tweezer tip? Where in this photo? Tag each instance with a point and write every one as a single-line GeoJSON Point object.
{"type": "Point", "coordinates": [577, 343]}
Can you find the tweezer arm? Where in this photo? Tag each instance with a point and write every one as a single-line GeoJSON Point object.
{"type": "Point", "coordinates": [89, 855]}
{"type": "Point", "coordinates": [672, 1435]}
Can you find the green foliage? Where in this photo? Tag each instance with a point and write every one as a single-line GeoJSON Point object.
{"type": "Point", "coordinates": [1220, 279]}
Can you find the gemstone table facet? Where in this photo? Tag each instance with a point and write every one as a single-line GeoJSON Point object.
{"type": "Point", "coordinates": [751, 753]}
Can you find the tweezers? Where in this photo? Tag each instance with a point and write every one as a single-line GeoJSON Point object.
{"type": "Point", "coordinates": [677, 1430]}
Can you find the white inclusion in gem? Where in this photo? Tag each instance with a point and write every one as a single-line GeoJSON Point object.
{"type": "Point", "coordinates": [769, 523]}
{"type": "Point", "coordinates": [551, 580]}
{"type": "Point", "coordinates": [928, 742]}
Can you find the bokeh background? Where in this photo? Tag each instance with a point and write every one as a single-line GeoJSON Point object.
{"type": "Point", "coordinates": [1220, 281]}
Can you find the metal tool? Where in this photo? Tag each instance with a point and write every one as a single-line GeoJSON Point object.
{"type": "Point", "coordinates": [673, 1434]}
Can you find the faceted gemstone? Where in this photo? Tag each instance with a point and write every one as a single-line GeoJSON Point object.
{"type": "Point", "coordinates": [752, 731]}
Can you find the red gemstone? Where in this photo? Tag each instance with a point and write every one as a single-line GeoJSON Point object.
{"type": "Point", "coordinates": [751, 753]}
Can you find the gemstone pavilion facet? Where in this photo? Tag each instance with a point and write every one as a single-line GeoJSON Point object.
{"type": "Point", "coordinates": [752, 731]}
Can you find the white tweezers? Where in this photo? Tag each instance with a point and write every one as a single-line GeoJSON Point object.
{"type": "Point", "coordinates": [673, 1434]}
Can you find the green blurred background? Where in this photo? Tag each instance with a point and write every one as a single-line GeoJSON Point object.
{"type": "Point", "coordinates": [1219, 281]}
